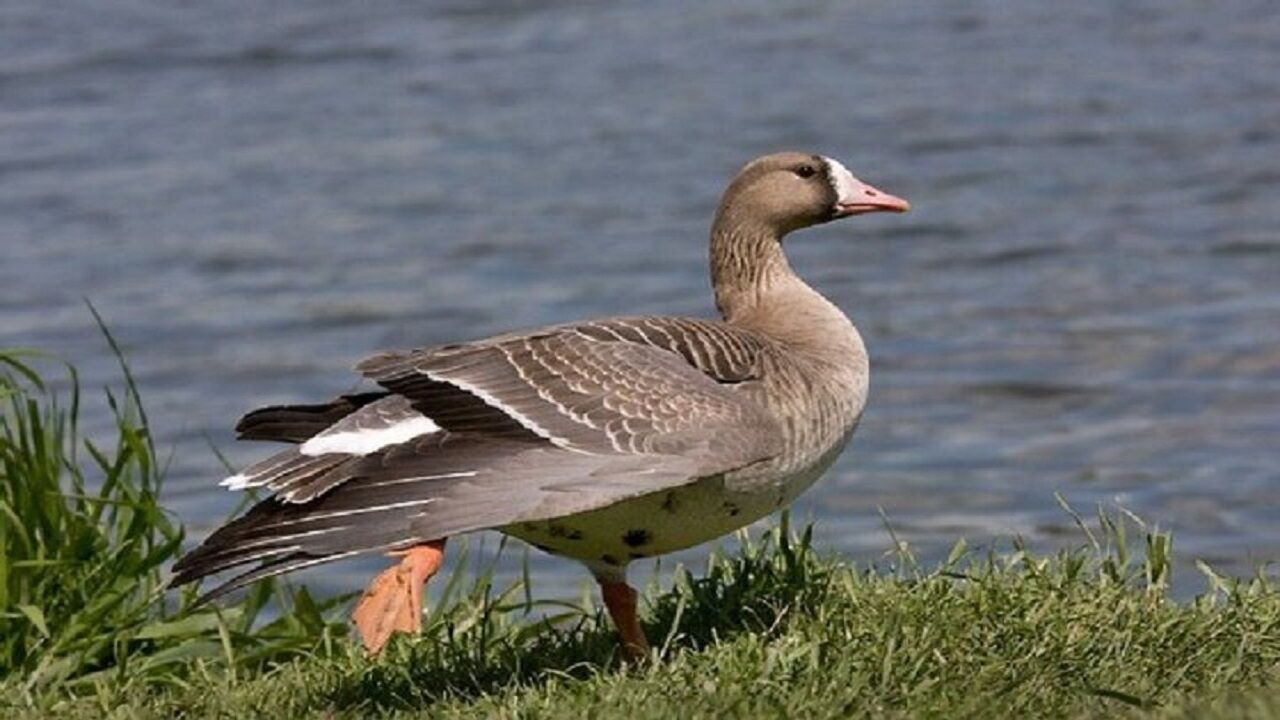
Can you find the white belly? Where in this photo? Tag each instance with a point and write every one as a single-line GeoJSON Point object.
{"type": "Point", "coordinates": [658, 523]}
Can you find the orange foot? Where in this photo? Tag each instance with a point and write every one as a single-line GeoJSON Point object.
{"type": "Point", "coordinates": [393, 601]}
{"type": "Point", "coordinates": [620, 599]}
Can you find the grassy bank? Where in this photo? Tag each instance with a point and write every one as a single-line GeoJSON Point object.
{"type": "Point", "coordinates": [775, 630]}
{"type": "Point", "coordinates": [779, 631]}
{"type": "Point", "coordinates": [84, 550]}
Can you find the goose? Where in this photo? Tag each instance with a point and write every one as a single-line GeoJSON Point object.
{"type": "Point", "coordinates": [604, 441]}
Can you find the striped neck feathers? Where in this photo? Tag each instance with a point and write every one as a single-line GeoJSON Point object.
{"type": "Point", "coordinates": [755, 287]}
{"type": "Point", "coordinates": [747, 267]}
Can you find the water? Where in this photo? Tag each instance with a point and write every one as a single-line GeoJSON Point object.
{"type": "Point", "coordinates": [1083, 300]}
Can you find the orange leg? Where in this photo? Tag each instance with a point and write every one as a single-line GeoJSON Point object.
{"type": "Point", "coordinates": [393, 601]}
{"type": "Point", "coordinates": [620, 599]}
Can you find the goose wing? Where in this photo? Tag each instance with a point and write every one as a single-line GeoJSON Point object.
{"type": "Point", "coordinates": [486, 434]}
{"type": "Point", "coordinates": [596, 388]}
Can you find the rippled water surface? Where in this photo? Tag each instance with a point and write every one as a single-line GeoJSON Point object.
{"type": "Point", "coordinates": [1085, 299]}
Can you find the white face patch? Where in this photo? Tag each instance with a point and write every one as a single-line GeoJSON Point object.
{"type": "Point", "coordinates": [842, 181]}
{"type": "Point", "coordinates": [367, 440]}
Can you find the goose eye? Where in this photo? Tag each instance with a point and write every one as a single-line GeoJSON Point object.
{"type": "Point", "coordinates": [806, 171]}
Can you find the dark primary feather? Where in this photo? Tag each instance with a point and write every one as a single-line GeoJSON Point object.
{"type": "Point", "coordinates": [297, 423]}
{"type": "Point", "coordinates": [534, 426]}
{"type": "Point", "coordinates": [440, 486]}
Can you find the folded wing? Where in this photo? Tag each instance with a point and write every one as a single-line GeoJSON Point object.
{"type": "Point", "coordinates": [482, 435]}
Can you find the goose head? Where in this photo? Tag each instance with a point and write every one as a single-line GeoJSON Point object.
{"type": "Point", "coordinates": [790, 190]}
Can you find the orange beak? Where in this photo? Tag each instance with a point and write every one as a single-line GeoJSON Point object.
{"type": "Point", "coordinates": [859, 198]}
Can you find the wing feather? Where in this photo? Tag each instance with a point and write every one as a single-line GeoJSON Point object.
{"type": "Point", "coordinates": [606, 387]}
{"type": "Point", "coordinates": [517, 428]}
{"type": "Point", "coordinates": [439, 487]}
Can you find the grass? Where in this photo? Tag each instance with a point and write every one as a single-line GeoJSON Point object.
{"type": "Point", "coordinates": [778, 630]}
{"type": "Point", "coordinates": [84, 547]}
{"type": "Point", "coordinates": [775, 629]}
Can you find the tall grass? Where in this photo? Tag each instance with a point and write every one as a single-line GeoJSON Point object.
{"type": "Point", "coordinates": [84, 544]}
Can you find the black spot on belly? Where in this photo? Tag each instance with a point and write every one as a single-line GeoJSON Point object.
{"type": "Point", "coordinates": [638, 555]}
{"type": "Point", "coordinates": [731, 508]}
{"type": "Point", "coordinates": [560, 531]}
{"type": "Point", "coordinates": [669, 502]}
{"type": "Point", "coordinates": [637, 537]}
{"type": "Point", "coordinates": [609, 560]}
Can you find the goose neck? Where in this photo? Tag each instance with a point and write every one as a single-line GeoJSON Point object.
{"type": "Point", "coordinates": [747, 267]}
